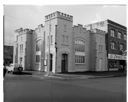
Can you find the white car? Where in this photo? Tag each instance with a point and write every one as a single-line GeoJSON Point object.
{"type": "Point", "coordinates": [10, 68]}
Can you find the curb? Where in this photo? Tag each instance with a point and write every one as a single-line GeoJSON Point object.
{"type": "Point", "coordinates": [88, 77]}
{"type": "Point", "coordinates": [79, 77]}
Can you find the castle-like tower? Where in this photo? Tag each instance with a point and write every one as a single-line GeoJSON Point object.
{"type": "Point", "coordinates": [23, 48]}
{"type": "Point", "coordinates": [58, 31]}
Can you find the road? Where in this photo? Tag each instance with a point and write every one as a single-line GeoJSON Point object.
{"type": "Point", "coordinates": [26, 88]}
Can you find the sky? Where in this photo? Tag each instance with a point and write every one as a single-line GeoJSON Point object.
{"type": "Point", "coordinates": [30, 16]}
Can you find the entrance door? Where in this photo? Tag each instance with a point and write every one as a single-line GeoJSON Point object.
{"type": "Point", "coordinates": [21, 61]}
{"type": "Point", "coordinates": [51, 56]}
{"type": "Point", "coordinates": [64, 63]}
{"type": "Point", "coordinates": [122, 64]}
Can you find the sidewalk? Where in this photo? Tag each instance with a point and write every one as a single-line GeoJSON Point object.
{"type": "Point", "coordinates": [90, 75]}
{"type": "Point", "coordinates": [79, 75]}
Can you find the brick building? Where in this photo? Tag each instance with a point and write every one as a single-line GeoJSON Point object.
{"type": "Point", "coordinates": [116, 40]}
{"type": "Point", "coordinates": [8, 54]}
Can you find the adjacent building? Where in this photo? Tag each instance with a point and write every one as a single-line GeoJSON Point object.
{"type": "Point", "coordinates": [116, 40]}
{"type": "Point", "coordinates": [60, 46]}
{"type": "Point", "coordinates": [8, 54]}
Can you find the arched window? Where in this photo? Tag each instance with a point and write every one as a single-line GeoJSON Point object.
{"type": "Point", "coordinates": [38, 45]}
{"type": "Point", "coordinates": [79, 51]}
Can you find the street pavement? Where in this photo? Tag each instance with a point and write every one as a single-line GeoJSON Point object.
{"type": "Point", "coordinates": [28, 88]}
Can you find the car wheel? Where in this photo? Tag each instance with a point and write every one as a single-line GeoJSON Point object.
{"type": "Point", "coordinates": [20, 69]}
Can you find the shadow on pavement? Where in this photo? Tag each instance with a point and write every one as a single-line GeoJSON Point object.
{"type": "Point", "coordinates": [22, 73]}
{"type": "Point", "coordinates": [105, 73]}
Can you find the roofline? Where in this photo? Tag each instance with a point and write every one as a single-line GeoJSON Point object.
{"type": "Point", "coordinates": [110, 21]}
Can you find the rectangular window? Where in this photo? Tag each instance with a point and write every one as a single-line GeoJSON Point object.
{"type": "Point", "coordinates": [112, 45]}
{"type": "Point", "coordinates": [121, 47]}
{"type": "Point", "coordinates": [125, 37]}
{"type": "Point", "coordinates": [119, 35]}
{"type": "Point", "coordinates": [50, 27]}
{"type": "Point", "coordinates": [63, 37]}
{"type": "Point", "coordinates": [112, 33]}
{"type": "Point", "coordinates": [37, 58]}
{"type": "Point", "coordinates": [79, 59]}
{"type": "Point", "coordinates": [83, 59]}
{"type": "Point", "coordinates": [51, 39]}
{"type": "Point", "coordinates": [21, 48]}
{"type": "Point", "coordinates": [48, 40]}
{"type": "Point", "coordinates": [21, 60]}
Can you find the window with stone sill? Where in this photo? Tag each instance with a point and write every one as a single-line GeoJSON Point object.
{"type": "Point", "coordinates": [51, 39]}
{"type": "Point", "coordinates": [79, 52]}
{"type": "Point", "coordinates": [112, 33]}
{"type": "Point", "coordinates": [37, 58]}
{"type": "Point", "coordinates": [79, 59]}
{"type": "Point", "coordinates": [119, 35]}
{"type": "Point", "coordinates": [21, 48]}
{"type": "Point", "coordinates": [50, 27]}
{"type": "Point", "coordinates": [113, 45]}
{"type": "Point", "coordinates": [125, 37]}
{"type": "Point", "coordinates": [21, 60]}
{"type": "Point", "coordinates": [121, 47]}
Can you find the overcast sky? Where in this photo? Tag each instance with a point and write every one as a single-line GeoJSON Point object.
{"type": "Point", "coordinates": [30, 16]}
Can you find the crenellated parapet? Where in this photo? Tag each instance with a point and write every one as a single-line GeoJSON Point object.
{"type": "Point", "coordinates": [39, 27]}
{"type": "Point", "coordinates": [80, 26]}
{"type": "Point", "coordinates": [98, 31]}
{"type": "Point", "coordinates": [24, 31]}
{"type": "Point", "coordinates": [60, 15]}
